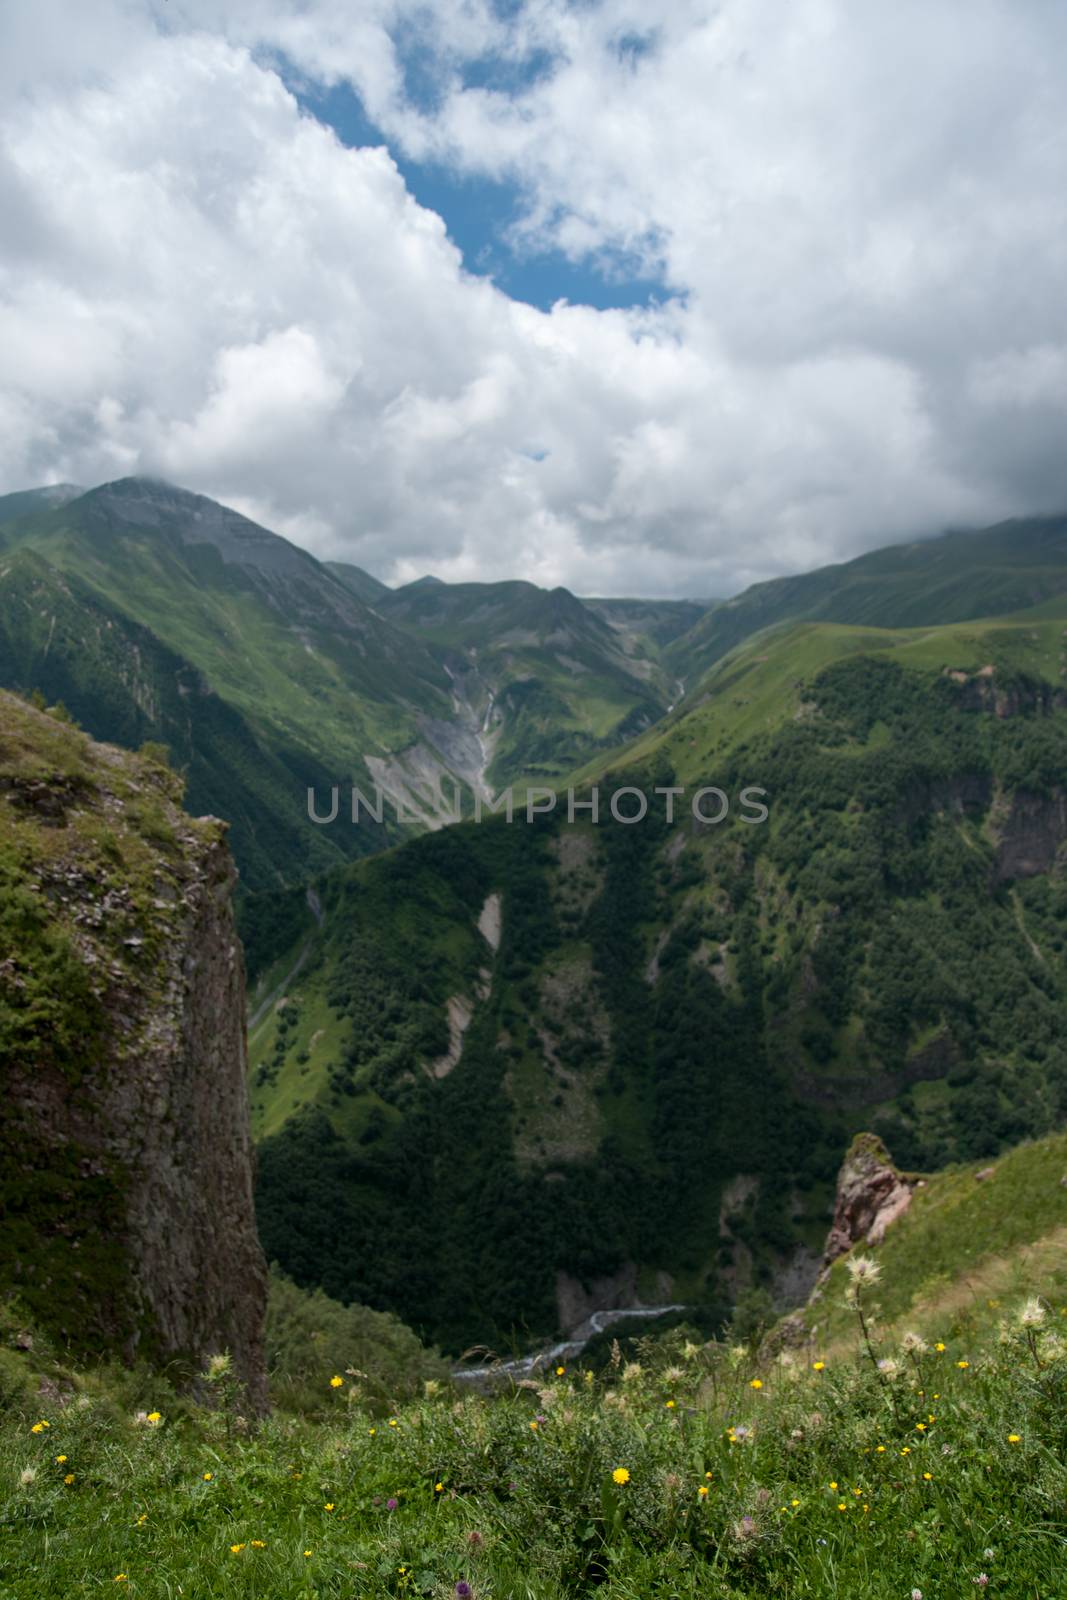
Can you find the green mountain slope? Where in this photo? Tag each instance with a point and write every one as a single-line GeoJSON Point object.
{"type": "Point", "coordinates": [549, 677]}
{"type": "Point", "coordinates": [118, 679]}
{"type": "Point", "coordinates": [1010, 567]}
{"type": "Point", "coordinates": [647, 1086]}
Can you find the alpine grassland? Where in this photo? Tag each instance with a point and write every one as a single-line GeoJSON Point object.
{"type": "Point", "coordinates": [925, 1463]}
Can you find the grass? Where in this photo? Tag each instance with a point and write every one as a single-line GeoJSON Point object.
{"type": "Point", "coordinates": [694, 1471]}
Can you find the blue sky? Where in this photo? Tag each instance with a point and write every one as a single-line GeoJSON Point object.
{"type": "Point", "coordinates": [479, 212]}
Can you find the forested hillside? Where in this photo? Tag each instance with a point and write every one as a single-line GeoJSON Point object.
{"type": "Point", "coordinates": [650, 1076]}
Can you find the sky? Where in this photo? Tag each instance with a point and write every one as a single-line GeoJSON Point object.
{"type": "Point", "coordinates": [638, 300]}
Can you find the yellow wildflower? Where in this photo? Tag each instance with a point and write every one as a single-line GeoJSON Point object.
{"type": "Point", "coordinates": [621, 1475]}
{"type": "Point", "coordinates": [928, 1476]}
{"type": "Point", "coordinates": [818, 1366]}
{"type": "Point", "coordinates": [120, 1577]}
{"type": "Point", "coordinates": [438, 1488]}
{"type": "Point", "coordinates": [560, 1371]}
{"type": "Point", "coordinates": [60, 1460]}
{"type": "Point", "coordinates": [69, 1478]}
{"type": "Point", "coordinates": [963, 1365]}
{"type": "Point", "coordinates": [258, 1544]}
{"type": "Point", "coordinates": [757, 1383]}
{"type": "Point", "coordinates": [336, 1382]}
{"type": "Point", "coordinates": [39, 1427]}
{"type": "Point", "coordinates": [841, 1506]}
{"type": "Point", "coordinates": [208, 1476]}
{"type": "Point", "coordinates": [328, 1506]}
{"type": "Point", "coordinates": [703, 1490]}
{"type": "Point", "coordinates": [939, 1346]}
{"type": "Point", "coordinates": [1013, 1438]}
{"type": "Point", "coordinates": [670, 1404]}
{"type": "Point", "coordinates": [393, 1422]}
{"type": "Point", "coordinates": [307, 1552]}
{"type": "Point", "coordinates": [235, 1549]}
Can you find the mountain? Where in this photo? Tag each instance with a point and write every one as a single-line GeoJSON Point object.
{"type": "Point", "coordinates": [158, 614]}
{"type": "Point", "coordinates": [29, 502]}
{"type": "Point", "coordinates": [126, 1221]}
{"type": "Point", "coordinates": [549, 678]}
{"type": "Point", "coordinates": [363, 584]}
{"type": "Point", "coordinates": [562, 1063]}
{"type": "Point", "coordinates": [955, 578]}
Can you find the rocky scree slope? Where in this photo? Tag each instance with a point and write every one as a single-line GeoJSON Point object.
{"type": "Point", "coordinates": [126, 1218]}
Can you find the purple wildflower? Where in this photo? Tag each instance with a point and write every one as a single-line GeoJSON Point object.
{"type": "Point", "coordinates": [463, 1590]}
{"type": "Point", "coordinates": [392, 1503]}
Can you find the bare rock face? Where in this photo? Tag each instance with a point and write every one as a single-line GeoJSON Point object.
{"type": "Point", "coordinates": [126, 1214]}
{"type": "Point", "coordinates": [871, 1194]}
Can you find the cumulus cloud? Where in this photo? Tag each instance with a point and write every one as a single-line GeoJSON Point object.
{"type": "Point", "coordinates": [858, 209]}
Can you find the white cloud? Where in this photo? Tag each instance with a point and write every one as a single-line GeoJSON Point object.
{"type": "Point", "coordinates": [862, 205]}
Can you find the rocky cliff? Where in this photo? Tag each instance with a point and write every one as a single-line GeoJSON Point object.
{"type": "Point", "coordinates": [126, 1215]}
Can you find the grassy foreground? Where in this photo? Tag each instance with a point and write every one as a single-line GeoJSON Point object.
{"type": "Point", "coordinates": [692, 1471]}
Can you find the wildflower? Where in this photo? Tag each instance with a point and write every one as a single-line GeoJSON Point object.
{"type": "Point", "coordinates": [880, 1450]}
{"type": "Point", "coordinates": [794, 1502]}
{"type": "Point", "coordinates": [69, 1479]}
{"type": "Point", "coordinates": [307, 1552]}
{"type": "Point", "coordinates": [430, 1388]}
{"type": "Point", "coordinates": [258, 1544]}
{"type": "Point", "coordinates": [689, 1350]}
{"type": "Point", "coordinates": [39, 1427]}
{"type": "Point", "coordinates": [939, 1347]}
{"type": "Point", "coordinates": [1014, 1438]}
{"type": "Point", "coordinates": [26, 1476]}
{"type": "Point", "coordinates": [392, 1503]}
{"type": "Point", "coordinates": [631, 1371]}
{"type": "Point", "coordinates": [328, 1506]}
{"type": "Point", "coordinates": [372, 1431]}
{"type": "Point", "coordinates": [621, 1475]}
{"type": "Point", "coordinates": [889, 1368]}
{"type": "Point", "coordinates": [703, 1491]}
{"type": "Point", "coordinates": [988, 1555]}
{"type": "Point", "coordinates": [841, 1506]}
{"type": "Point", "coordinates": [533, 1424]}
{"type": "Point", "coordinates": [218, 1367]}
{"type": "Point", "coordinates": [142, 1519]}
{"type": "Point", "coordinates": [920, 1427]}
{"type": "Point", "coordinates": [120, 1577]}
{"type": "Point", "coordinates": [913, 1344]}
{"type": "Point", "coordinates": [862, 1270]}
{"type": "Point", "coordinates": [235, 1549]}
{"type": "Point", "coordinates": [963, 1365]}
{"type": "Point", "coordinates": [438, 1488]}
{"type": "Point", "coordinates": [337, 1382]}
{"type": "Point", "coordinates": [982, 1581]}
{"type": "Point", "coordinates": [463, 1590]}
{"type": "Point", "coordinates": [1032, 1315]}
{"type": "Point", "coordinates": [670, 1404]}
{"type": "Point", "coordinates": [818, 1366]}
{"type": "Point", "coordinates": [916, 1594]}
{"type": "Point", "coordinates": [393, 1422]}
{"type": "Point", "coordinates": [928, 1476]}
{"type": "Point", "coordinates": [757, 1383]}
{"type": "Point", "coordinates": [155, 1418]}
{"type": "Point", "coordinates": [208, 1476]}
{"type": "Point", "coordinates": [833, 1485]}
{"type": "Point", "coordinates": [906, 1450]}
{"type": "Point", "coordinates": [560, 1371]}
{"type": "Point", "coordinates": [60, 1460]}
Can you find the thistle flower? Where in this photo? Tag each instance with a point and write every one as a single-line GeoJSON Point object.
{"type": "Point", "coordinates": [26, 1476]}
{"type": "Point", "coordinates": [219, 1367]}
{"type": "Point", "coordinates": [463, 1590]}
{"type": "Point", "coordinates": [631, 1371]}
{"type": "Point", "coordinates": [1032, 1315]}
{"type": "Point", "coordinates": [863, 1270]}
{"type": "Point", "coordinates": [913, 1344]}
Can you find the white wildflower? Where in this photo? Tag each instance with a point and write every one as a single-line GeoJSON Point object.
{"type": "Point", "coordinates": [27, 1475]}
{"type": "Point", "coordinates": [1032, 1315]}
{"type": "Point", "coordinates": [913, 1344]}
{"type": "Point", "coordinates": [863, 1270]}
